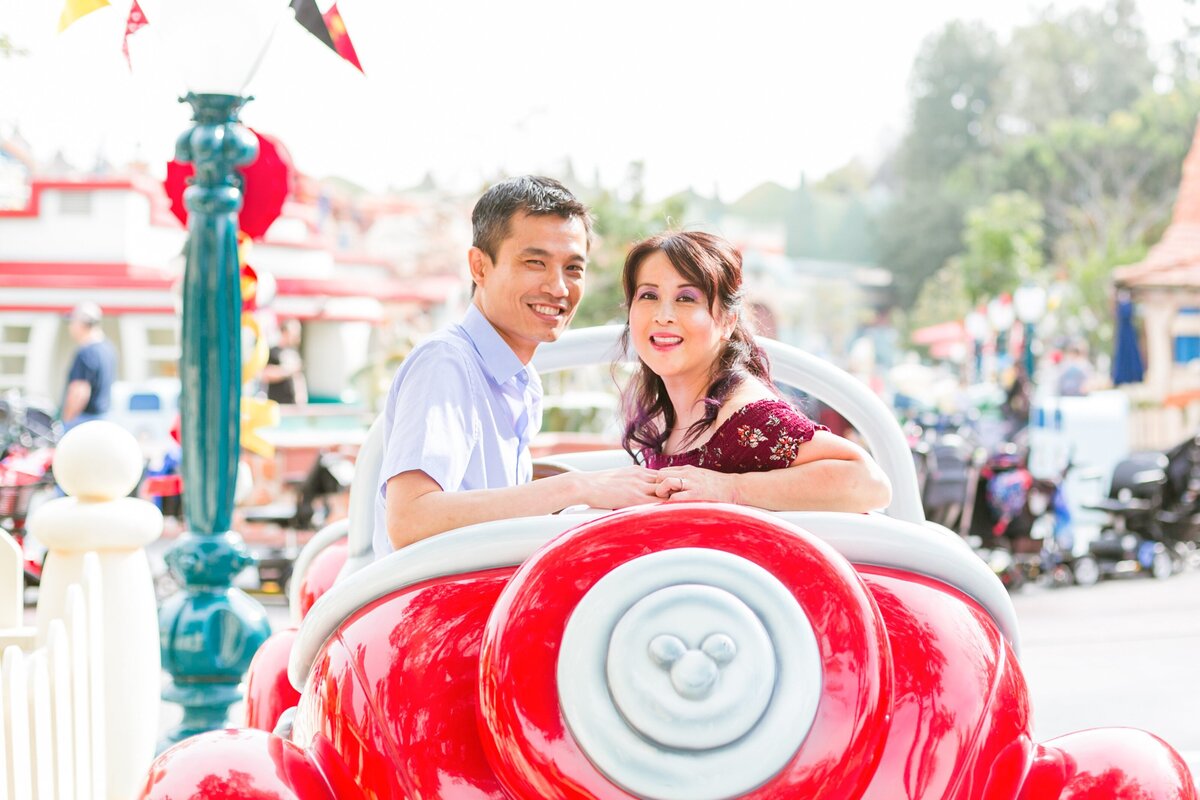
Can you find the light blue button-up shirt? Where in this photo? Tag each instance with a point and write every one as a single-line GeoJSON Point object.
{"type": "Point", "coordinates": [461, 409]}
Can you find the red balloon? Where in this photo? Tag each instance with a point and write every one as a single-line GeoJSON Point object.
{"type": "Point", "coordinates": [267, 182]}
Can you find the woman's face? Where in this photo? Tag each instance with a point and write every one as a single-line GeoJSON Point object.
{"type": "Point", "coordinates": [671, 324]}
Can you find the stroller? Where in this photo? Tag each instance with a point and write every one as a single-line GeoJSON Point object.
{"type": "Point", "coordinates": [1180, 515]}
{"type": "Point", "coordinates": [1133, 540]}
{"type": "Point", "coordinates": [1025, 518]}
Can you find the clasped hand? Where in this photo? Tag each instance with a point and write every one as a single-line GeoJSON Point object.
{"type": "Point", "coordinates": [677, 484]}
{"type": "Point", "coordinates": [631, 486]}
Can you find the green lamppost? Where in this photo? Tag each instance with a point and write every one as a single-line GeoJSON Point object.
{"type": "Point", "coordinates": [210, 630]}
{"type": "Point", "coordinates": [1029, 301]}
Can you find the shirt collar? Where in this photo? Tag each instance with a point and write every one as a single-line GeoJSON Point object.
{"type": "Point", "coordinates": [498, 358]}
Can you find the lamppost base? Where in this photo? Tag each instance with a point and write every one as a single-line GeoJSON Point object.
{"type": "Point", "coordinates": [209, 631]}
{"type": "Point", "coordinates": [205, 708]}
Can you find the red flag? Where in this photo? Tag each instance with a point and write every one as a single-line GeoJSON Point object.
{"type": "Point", "coordinates": [341, 38]}
{"type": "Point", "coordinates": [137, 20]}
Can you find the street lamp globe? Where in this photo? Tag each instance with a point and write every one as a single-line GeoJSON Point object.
{"type": "Point", "coordinates": [1000, 314]}
{"type": "Point", "coordinates": [1030, 303]}
{"type": "Point", "coordinates": [217, 45]}
{"type": "Point", "coordinates": [976, 325]}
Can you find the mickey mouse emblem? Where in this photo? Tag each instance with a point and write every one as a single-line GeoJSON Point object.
{"type": "Point", "coordinates": [691, 667]}
{"type": "Point", "coordinates": [693, 673]}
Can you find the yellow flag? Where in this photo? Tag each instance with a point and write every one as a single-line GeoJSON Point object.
{"type": "Point", "coordinates": [74, 9]}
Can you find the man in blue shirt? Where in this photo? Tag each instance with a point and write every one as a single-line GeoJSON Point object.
{"type": "Point", "coordinates": [89, 382]}
{"type": "Point", "coordinates": [466, 401]}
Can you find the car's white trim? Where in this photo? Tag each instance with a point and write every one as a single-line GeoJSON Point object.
{"type": "Point", "coordinates": [872, 539]}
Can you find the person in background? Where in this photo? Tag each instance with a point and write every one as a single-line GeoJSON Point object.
{"type": "Point", "coordinates": [284, 372]}
{"type": "Point", "coordinates": [88, 394]}
{"type": "Point", "coordinates": [1075, 372]}
{"type": "Point", "coordinates": [1018, 403]}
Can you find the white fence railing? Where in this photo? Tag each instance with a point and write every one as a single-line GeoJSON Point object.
{"type": "Point", "coordinates": [52, 691]}
{"type": "Point", "coordinates": [81, 690]}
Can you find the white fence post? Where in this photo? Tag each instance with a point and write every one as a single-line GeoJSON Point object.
{"type": "Point", "coordinates": [97, 464]}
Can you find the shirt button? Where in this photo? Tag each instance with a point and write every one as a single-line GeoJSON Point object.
{"type": "Point", "coordinates": [522, 378]}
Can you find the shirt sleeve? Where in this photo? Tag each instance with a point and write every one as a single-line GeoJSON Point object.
{"type": "Point", "coordinates": [770, 437]}
{"type": "Point", "coordinates": [83, 367]}
{"type": "Point", "coordinates": [434, 426]}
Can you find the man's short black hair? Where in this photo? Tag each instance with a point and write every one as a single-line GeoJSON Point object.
{"type": "Point", "coordinates": [529, 194]}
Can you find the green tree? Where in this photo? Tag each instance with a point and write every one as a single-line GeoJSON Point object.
{"type": "Point", "coordinates": [933, 175]}
{"type": "Point", "coordinates": [622, 217]}
{"type": "Point", "coordinates": [1003, 246]}
{"type": "Point", "coordinates": [942, 297]}
{"type": "Point", "coordinates": [1082, 65]}
{"type": "Point", "coordinates": [952, 96]}
{"type": "Point", "coordinates": [1106, 186]}
{"type": "Point", "coordinates": [918, 231]}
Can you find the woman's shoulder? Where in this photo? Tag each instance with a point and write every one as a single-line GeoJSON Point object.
{"type": "Point", "coordinates": [767, 411]}
{"type": "Point", "coordinates": [754, 415]}
{"type": "Point", "coordinates": [749, 395]}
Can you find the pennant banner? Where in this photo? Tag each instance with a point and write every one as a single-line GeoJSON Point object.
{"type": "Point", "coordinates": [341, 38]}
{"type": "Point", "coordinates": [329, 27]}
{"type": "Point", "coordinates": [137, 20]}
{"type": "Point", "coordinates": [309, 17]}
{"type": "Point", "coordinates": [77, 9]}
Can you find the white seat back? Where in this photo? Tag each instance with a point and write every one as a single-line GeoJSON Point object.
{"type": "Point", "coordinates": [792, 367]}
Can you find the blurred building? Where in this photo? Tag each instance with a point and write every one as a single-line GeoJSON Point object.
{"type": "Point", "coordinates": [363, 275]}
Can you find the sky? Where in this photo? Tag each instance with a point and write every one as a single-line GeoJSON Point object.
{"type": "Point", "coordinates": [713, 96]}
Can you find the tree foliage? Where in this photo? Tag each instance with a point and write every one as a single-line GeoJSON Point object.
{"type": "Point", "coordinates": [952, 95]}
{"type": "Point", "coordinates": [622, 217]}
{"type": "Point", "coordinates": [1061, 146]}
{"type": "Point", "coordinates": [1003, 241]}
{"type": "Point", "coordinates": [1083, 65]}
{"type": "Point", "coordinates": [1109, 182]}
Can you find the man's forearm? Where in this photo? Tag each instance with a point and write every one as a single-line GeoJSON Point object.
{"type": "Point", "coordinates": [78, 394]}
{"type": "Point", "coordinates": [438, 511]}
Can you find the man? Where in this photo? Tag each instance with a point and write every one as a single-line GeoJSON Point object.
{"type": "Point", "coordinates": [93, 370]}
{"type": "Point", "coordinates": [1075, 374]}
{"type": "Point", "coordinates": [466, 401]}
{"type": "Point", "coordinates": [284, 372]}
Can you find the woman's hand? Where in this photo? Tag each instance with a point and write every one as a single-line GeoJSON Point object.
{"type": "Point", "coordinates": [616, 488]}
{"type": "Point", "coordinates": [678, 484]}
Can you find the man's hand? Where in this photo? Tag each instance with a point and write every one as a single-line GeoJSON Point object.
{"type": "Point", "coordinates": [678, 484]}
{"type": "Point", "coordinates": [617, 488]}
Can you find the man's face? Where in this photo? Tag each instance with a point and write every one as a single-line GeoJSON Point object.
{"type": "Point", "coordinates": [531, 290]}
{"type": "Point", "coordinates": [78, 330]}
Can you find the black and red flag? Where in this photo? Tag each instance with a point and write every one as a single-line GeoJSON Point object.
{"type": "Point", "coordinates": [327, 27]}
{"type": "Point", "coordinates": [341, 38]}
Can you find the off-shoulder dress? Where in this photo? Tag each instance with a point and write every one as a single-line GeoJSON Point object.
{"type": "Point", "coordinates": [762, 435]}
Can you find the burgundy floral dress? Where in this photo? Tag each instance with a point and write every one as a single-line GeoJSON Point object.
{"type": "Point", "coordinates": [759, 436]}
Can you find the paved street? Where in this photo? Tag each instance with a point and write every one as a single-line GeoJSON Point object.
{"type": "Point", "coordinates": [1124, 652]}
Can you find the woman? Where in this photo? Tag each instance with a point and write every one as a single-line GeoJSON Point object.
{"type": "Point", "coordinates": [702, 410]}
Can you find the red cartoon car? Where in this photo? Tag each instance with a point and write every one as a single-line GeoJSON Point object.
{"type": "Point", "coordinates": [672, 652]}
